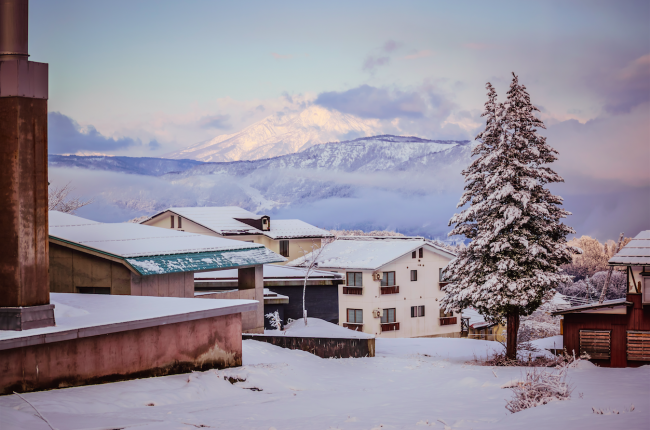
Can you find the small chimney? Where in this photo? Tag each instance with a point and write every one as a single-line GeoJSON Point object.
{"type": "Point", "coordinates": [13, 29]}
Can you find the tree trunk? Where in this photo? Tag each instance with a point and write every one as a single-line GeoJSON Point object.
{"type": "Point", "coordinates": [304, 290]}
{"type": "Point", "coordinates": [513, 328]}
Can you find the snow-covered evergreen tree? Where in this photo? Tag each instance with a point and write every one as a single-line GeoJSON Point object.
{"type": "Point", "coordinates": [518, 241]}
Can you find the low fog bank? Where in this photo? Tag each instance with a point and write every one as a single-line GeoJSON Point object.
{"type": "Point", "coordinates": [412, 203]}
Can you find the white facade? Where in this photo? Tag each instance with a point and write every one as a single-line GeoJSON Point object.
{"type": "Point", "coordinates": [385, 256]}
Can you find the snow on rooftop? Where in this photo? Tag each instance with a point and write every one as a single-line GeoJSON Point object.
{"type": "Point", "coordinates": [271, 272]}
{"type": "Point", "coordinates": [82, 315]}
{"type": "Point", "coordinates": [223, 220]}
{"type": "Point", "coordinates": [218, 219]}
{"type": "Point", "coordinates": [294, 228]}
{"type": "Point", "coordinates": [476, 320]}
{"type": "Point", "coordinates": [364, 252]}
{"type": "Point", "coordinates": [136, 240]}
{"type": "Point", "coordinates": [636, 252]}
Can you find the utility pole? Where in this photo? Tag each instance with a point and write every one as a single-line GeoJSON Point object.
{"type": "Point", "coordinates": [609, 272]}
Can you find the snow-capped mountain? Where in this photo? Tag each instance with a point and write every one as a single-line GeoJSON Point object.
{"type": "Point", "coordinates": [383, 181]}
{"type": "Point", "coordinates": [279, 135]}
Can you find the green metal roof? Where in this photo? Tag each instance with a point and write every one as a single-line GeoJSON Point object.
{"type": "Point", "coordinates": [213, 260]}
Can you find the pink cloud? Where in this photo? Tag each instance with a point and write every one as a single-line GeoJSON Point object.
{"type": "Point", "coordinates": [420, 54]}
{"type": "Point", "coordinates": [280, 56]}
{"type": "Point", "coordinates": [476, 46]}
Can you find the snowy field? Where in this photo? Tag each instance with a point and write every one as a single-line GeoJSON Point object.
{"type": "Point", "coordinates": [410, 384]}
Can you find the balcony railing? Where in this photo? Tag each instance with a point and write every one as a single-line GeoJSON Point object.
{"type": "Point", "coordinates": [358, 291]}
{"type": "Point", "coordinates": [389, 326]}
{"type": "Point", "coordinates": [393, 289]}
{"type": "Point", "coordinates": [353, 326]}
{"type": "Point", "coordinates": [448, 321]}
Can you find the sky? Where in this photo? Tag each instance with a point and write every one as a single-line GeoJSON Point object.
{"type": "Point", "coordinates": [144, 78]}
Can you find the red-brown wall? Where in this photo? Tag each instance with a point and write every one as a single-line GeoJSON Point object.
{"type": "Point", "coordinates": [155, 351]}
{"type": "Point", "coordinates": [637, 318]}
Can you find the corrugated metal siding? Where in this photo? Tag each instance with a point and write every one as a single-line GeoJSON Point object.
{"type": "Point", "coordinates": [160, 264]}
{"type": "Point", "coordinates": [636, 252]}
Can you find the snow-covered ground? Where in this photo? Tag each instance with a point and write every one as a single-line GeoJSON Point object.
{"type": "Point", "coordinates": [317, 328]}
{"type": "Point", "coordinates": [410, 384]}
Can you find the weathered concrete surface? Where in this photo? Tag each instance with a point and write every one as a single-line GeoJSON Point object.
{"type": "Point", "coordinates": [23, 202]}
{"type": "Point", "coordinates": [321, 346]}
{"type": "Point", "coordinates": [155, 351]}
{"type": "Point", "coordinates": [252, 321]}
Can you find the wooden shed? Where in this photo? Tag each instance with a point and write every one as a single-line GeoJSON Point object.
{"type": "Point", "coordinates": [616, 333]}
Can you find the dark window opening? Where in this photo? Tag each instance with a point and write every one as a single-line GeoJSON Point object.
{"type": "Point", "coordinates": [388, 279]}
{"type": "Point", "coordinates": [421, 252]}
{"type": "Point", "coordinates": [413, 254]}
{"type": "Point", "coordinates": [180, 224]}
{"type": "Point", "coordinates": [284, 248]}
{"type": "Point", "coordinates": [388, 316]}
{"type": "Point", "coordinates": [94, 290]}
{"type": "Point", "coordinates": [417, 311]}
{"type": "Point", "coordinates": [354, 279]}
{"type": "Point", "coordinates": [444, 314]}
{"type": "Point", "coordinates": [355, 316]}
{"type": "Point", "coordinates": [172, 218]}
{"type": "Point", "coordinates": [414, 275]}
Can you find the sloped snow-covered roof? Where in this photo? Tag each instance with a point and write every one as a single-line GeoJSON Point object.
{"type": "Point", "coordinates": [271, 272]}
{"type": "Point", "coordinates": [636, 252]}
{"type": "Point", "coordinates": [223, 220]}
{"type": "Point", "coordinates": [476, 320]}
{"type": "Point", "coordinates": [151, 250]}
{"type": "Point", "coordinates": [294, 228]}
{"type": "Point", "coordinates": [615, 303]}
{"type": "Point", "coordinates": [370, 253]}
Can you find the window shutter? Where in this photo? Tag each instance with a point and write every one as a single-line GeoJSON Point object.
{"type": "Point", "coordinates": [638, 345]}
{"type": "Point", "coordinates": [596, 343]}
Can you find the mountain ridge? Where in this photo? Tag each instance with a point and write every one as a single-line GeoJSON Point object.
{"type": "Point", "coordinates": [279, 134]}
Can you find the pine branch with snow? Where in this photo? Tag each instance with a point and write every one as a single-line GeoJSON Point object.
{"type": "Point", "coordinates": [518, 241]}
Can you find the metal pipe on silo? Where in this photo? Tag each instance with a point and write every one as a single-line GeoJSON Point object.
{"type": "Point", "coordinates": [14, 21]}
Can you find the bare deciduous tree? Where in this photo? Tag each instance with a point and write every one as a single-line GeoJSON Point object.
{"type": "Point", "coordinates": [59, 199]}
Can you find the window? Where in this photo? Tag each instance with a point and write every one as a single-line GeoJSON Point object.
{"type": "Point", "coordinates": [421, 252]}
{"type": "Point", "coordinates": [444, 314]}
{"type": "Point", "coordinates": [413, 254]}
{"type": "Point", "coordinates": [440, 277]}
{"type": "Point", "coordinates": [355, 316]}
{"type": "Point", "coordinates": [172, 218]}
{"type": "Point", "coordinates": [414, 275]}
{"type": "Point", "coordinates": [180, 222]}
{"type": "Point", "coordinates": [388, 280]}
{"type": "Point", "coordinates": [388, 316]}
{"type": "Point", "coordinates": [284, 248]}
{"type": "Point", "coordinates": [417, 311]}
{"type": "Point", "coordinates": [354, 279]}
{"type": "Point", "coordinates": [94, 290]}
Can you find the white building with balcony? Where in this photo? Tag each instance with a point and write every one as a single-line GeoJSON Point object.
{"type": "Point", "coordinates": [392, 285]}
